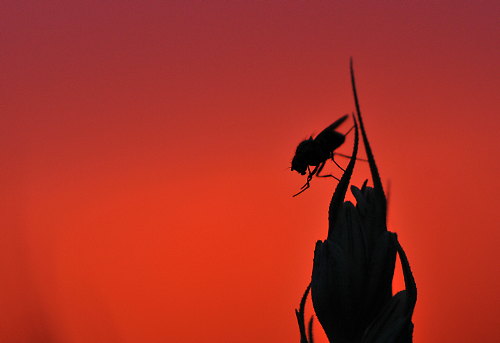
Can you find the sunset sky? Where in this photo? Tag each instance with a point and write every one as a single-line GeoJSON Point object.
{"type": "Point", "coordinates": [145, 152]}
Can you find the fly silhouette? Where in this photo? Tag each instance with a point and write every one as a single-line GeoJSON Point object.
{"type": "Point", "coordinates": [315, 152]}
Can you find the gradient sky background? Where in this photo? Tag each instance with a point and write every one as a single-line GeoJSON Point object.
{"type": "Point", "coordinates": [145, 150]}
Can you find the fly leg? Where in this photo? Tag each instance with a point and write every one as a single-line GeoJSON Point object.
{"type": "Point", "coordinates": [338, 165]}
{"type": "Point", "coordinates": [309, 178]}
{"type": "Point", "coordinates": [321, 166]}
{"type": "Point", "coordinates": [349, 131]}
{"type": "Point", "coordinates": [347, 156]}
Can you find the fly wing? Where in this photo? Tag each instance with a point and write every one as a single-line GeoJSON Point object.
{"type": "Point", "coordinates": [331, 128]}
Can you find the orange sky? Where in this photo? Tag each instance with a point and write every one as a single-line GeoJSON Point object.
{"type": "Point", "coordinates": [146, 145]}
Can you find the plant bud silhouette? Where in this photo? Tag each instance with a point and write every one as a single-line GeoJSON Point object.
{"type": "Point", "coordinates": [353, 268]}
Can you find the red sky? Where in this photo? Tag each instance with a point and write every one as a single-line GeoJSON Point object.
{"type": "Point", "coordinates": [145, 150]}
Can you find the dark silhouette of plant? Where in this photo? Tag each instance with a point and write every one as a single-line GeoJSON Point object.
{"type": "Point", "coordinates": [351, 285]}
{"type": "Point", "coordinates": [304, 337]}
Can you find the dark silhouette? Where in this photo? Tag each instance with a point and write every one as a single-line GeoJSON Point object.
{"type": "Point", "coordinates": [304, 337]}
{"type": "Point", "coordinates": [351, 284]}
{"type": "Point", "coordinates": [315, 152]}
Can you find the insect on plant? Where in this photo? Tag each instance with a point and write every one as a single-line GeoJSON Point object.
{"type": "Point", "coordinates": [316, 151]}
